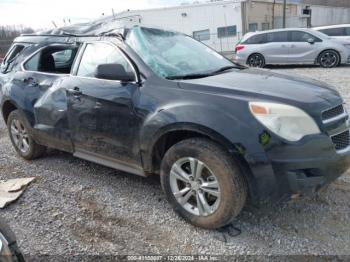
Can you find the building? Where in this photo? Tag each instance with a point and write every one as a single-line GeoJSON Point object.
{"type": "Point", "coordinates": [221, 24]}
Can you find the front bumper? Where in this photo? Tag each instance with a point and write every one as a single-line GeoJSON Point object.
{"type": "Point", "coordinates": [303, 168]}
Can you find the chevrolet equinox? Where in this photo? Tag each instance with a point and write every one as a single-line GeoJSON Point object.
{"type": "Point", "coordinates": [150, 101]}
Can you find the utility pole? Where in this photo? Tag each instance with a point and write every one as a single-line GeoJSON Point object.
{"type": "Point", "coordinates": [284, 13]}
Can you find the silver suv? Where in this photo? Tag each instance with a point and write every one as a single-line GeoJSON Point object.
{"type": "Point", "coordinates": [291, 46]}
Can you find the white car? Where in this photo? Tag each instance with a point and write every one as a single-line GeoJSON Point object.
{"type": "Point", "coordinates": [336, 31]}
{"type": "Point", "coordinates": [291, 46]}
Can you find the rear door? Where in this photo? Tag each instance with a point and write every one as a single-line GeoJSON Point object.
{"type": "Point", "coordinates": [101, 116]}
{"type": "Point", "coordinates": [276, 50]}
{"type": "Point", "coordinates": [301, 51]}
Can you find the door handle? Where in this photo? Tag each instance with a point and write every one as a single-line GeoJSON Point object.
{"type": "Point", "coordinates": [292, 46]}
{"type": "Point", "coordinates": [75, 92]}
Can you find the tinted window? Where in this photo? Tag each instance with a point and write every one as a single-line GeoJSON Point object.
{"type": "Point", "coordinates": [227, 31]}
{"type": "Point", "coordinates": [347, 31]}
{"type": "Point", "coordinates": [334, 31]}
{"type": "Point", "coordinates": [277, 37]}
{"type": "Point", "coordinates": [202, 35]}
{"type": "Point", "coordinates": [300, 36]}
{"type": "Point", "coordinates": [98, 54]}
{"type": "Point", "coordinates": [256, 39]}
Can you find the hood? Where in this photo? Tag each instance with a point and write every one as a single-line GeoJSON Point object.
{"type": "Point", "coordinates": [260, 84]}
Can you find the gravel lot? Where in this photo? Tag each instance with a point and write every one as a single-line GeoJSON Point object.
{"type": "Point", "coordinates": [77, 207]}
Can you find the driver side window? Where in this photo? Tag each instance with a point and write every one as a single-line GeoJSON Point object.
{"type": "Point", "coordinates": [98, 54]}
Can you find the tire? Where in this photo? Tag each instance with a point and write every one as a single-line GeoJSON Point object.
{"type": "Point", "coordinates": [220, 175]}
{"type": "Point", "coordinates": [6, 233]}
{"type": "Point", "coordinates": [256, 60]}
{"type": "Point", "coordinates": [329, 59]}
{"type": "Point", "coordinates": [22, 141]}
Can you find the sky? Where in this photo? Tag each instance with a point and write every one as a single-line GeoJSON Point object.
{"type": "Point", "coordinates": [39, 14]}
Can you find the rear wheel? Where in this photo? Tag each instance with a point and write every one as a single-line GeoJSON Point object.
{"type": "Point", "coordinates": [329, 59]}
{"type": "Point", "coordinates": [256, 60]}
{"type": "Point", "coordinates": [203, 183]}
{"type": "Point", "coordinates": [21, 139]}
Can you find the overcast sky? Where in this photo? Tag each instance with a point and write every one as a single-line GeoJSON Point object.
{"type": "Point", "coordinates": [40, 13]}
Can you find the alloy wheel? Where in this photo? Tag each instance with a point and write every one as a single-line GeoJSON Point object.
{"type": "Point", "coordinates": [20, 136]}
{"type": "Point", "coordinates": [256, 61]}
{"type": "Point", "coordinates": [329, 59]}
{"type": "Point", "coordinates": [195, 187]}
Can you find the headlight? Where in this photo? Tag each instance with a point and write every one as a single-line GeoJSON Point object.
{"type": "Point", "coordinates": [288, 122]}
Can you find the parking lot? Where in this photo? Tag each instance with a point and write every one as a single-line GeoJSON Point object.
{"type": "Point", "coordinates": [77, 207]}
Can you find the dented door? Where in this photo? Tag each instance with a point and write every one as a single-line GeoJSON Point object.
{"type": "Point", "coordinates": [102, 119]}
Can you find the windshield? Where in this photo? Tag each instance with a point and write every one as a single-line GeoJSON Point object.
{"type": "Point", "coordinates": [174, 55]}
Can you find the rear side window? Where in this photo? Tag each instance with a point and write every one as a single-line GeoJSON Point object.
{"type": "Point", "coordinates": [53, 59]}
{"type": "Point", "coordinates": [277, 37]}
{"type": "Point", "coordinates": [12, 54]}
{"type": "Point", "coordinates": [300, 36]}
{"type": "Point", "coordinates": [256, 39]}
{"type": "Point", "coordinates": [334, 31]}
{"type": "Point", "coordinates": [347, 31]}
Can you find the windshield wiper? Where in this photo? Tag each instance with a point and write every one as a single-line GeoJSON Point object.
{"type": "Point", "coordinates": [225, 68]}
{"type": "Point", "coordinates": [189, 76]}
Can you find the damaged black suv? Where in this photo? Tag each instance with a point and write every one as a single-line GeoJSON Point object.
{"type": "Point", "coordinates": [151, 101]}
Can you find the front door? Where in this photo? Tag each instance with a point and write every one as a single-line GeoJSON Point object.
{"type": "Point", "coordinates": [301, 50]}
{"type": "Point", "coordinates": [102, 120]}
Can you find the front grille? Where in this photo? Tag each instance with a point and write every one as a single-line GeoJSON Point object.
{"type": "Point", "coordinates": [333, 112]}
{"type": "Point", "coordinates": [342, 140]}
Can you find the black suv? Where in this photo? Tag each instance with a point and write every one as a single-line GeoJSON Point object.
{"type": "Point", "coordinates": [150, 101]}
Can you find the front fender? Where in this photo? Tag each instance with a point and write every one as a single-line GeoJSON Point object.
{"type": "Point", "coordinates": [226, 128]}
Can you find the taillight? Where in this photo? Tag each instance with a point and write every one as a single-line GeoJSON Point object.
{"type": "Point", "coordinates": [239, 48]}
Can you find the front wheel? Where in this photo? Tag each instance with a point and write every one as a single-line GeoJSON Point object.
{"type": "Point", "coordinates": [329, 59]}
{"type": "Point", "coordinates": [203, 183]}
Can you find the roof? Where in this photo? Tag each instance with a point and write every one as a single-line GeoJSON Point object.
{"type": "Point", "coordinates": [331, 26]}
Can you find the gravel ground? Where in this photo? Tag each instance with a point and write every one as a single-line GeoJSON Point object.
{"type": "Point", "coordinates": [77, 207]}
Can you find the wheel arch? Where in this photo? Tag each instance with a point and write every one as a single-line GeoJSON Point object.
{"type": "Point", "coordinates": [328, 49]}
{"type": "Point", "coordinates": [172, 134]}
{"type": "Point", "coordinates": [6, 109]}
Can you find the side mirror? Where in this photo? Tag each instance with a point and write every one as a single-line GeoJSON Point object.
{"type": "Point", "coordinates": [113, 72]}
{"type": "Point", "coordinates": [311, 41]}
